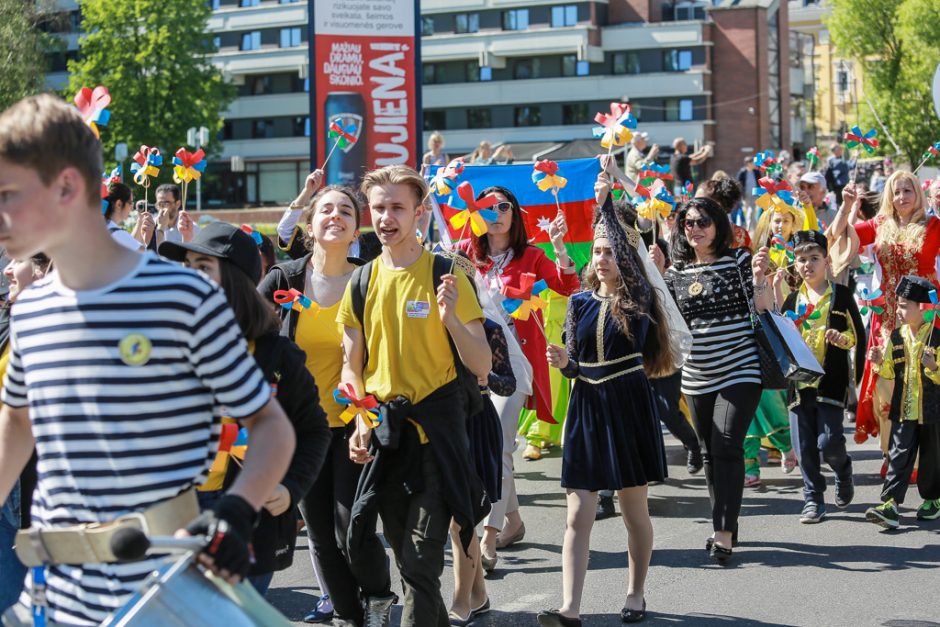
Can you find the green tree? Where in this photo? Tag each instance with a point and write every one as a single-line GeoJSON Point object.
{"type": "Point", "coordinates": [23, 51]}
{"type": "Point", "coordinates": [153, 56]}
{"type": "Point", "coordinates": [896, 42]}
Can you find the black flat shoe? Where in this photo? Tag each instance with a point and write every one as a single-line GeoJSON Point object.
{"type": "Point", "coordinates": [720, 554]}
{"type": "Point", "coordinates": [605, 508]}
{"type": "Point", "coordinates": [553, 618]}
{"type": "Point", "coordinates": [710, 541]}
{"type": "Point", "coordinates": [633, 616]}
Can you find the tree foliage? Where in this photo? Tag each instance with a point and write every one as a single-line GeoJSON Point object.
{"type": "Point", "coordinates": [896, 42]}
{"type": "Point", "coordinates": [23, 51]}
{"type": "Point", "coordinates": [153, 56]}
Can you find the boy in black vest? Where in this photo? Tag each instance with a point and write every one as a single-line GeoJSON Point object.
{"type": "Point", "coordinates": [817, 408]}
{"type": "Point", "coordinates": [915, 404]}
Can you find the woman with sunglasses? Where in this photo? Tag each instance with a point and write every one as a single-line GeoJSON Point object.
{"type": "Point", "coordinates": [501, 256]}
{"type": "Point", "coordinates": [715, 287]}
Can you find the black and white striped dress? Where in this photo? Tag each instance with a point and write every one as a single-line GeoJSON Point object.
{"type": "Point", "coordinates": [724, 350]}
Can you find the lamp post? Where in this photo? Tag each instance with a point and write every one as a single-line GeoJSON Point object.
{"type": "Point", "coordinates": [198, 137]}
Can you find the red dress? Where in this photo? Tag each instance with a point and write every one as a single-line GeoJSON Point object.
{"type": "Point", "coordinates": [915, 258]}
{"type": "Point", "coordinates": [530, 336]}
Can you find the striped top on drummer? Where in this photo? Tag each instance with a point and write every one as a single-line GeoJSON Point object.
{"type": "Point", "coordinates": [716, 307]}
{"type": "Point", "coordinates": [124, 386]}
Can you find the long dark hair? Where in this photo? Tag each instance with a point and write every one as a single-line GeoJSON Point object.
{"type": "Point", "coordinates": [518, 239]}
{"type": "Point", "coordinates": [255, 316]}
{"type": "Point", "coordinates": [116, 192]}
{"type": "Point", "coordinates": [681, 249]}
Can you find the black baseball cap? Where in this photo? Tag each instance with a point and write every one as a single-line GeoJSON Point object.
{"type": "Point", "coordinates": [222, 240]}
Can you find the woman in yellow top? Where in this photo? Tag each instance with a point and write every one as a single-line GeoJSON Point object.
{"type": "Point", "coordinates": [330, 223]}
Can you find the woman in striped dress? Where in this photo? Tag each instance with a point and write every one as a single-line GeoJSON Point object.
{"type": "Point", "coordinates": [714, 286]}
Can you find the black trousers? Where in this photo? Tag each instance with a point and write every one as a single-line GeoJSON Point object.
{"type": "Point", "coordinates": [326, 509]}
{"type": "Point", "coordinates": [817, 428]}
{"type": "Point", "coordinates": [667, 391]}
{"type": "Point", "coordinates": [721, 420]}
{"type": "Point", "coordinates": [907, 437]}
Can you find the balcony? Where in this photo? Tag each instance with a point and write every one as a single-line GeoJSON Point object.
{"type": "Point", "coordinates": [267, 149]}
{"type": "Point", "coordinates": [267, 16]}
{"type": "Point", "coordinates": [653, 35]}
{"type": "Point", "coordinates": [263, 61]}
{"type": "Point", "coordinates": [450, 6]}
{"type": "Point", "coordinates": [492, 47]}
{"type": "Point", "coordinates": [274, 105]}
{"type": "Point", "coordinates": [607, 87]}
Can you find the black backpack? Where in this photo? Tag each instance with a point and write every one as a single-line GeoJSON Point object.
{"type": "Point", "coordinates": [442, 265]}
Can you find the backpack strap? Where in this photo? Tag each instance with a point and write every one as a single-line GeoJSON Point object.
{"type": "Point", "coordinates": [360, 288]}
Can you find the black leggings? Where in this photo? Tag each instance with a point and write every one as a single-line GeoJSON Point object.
{"type": "Point", "coordinates": [326, 509]}
{"type": "Point", "coordinates": [667, 391]}
{"type": "Point", "coordinates": [721, 420]}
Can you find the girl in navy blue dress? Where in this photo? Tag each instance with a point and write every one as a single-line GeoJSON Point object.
{"type": "Point", "coordinates": [615, 335]}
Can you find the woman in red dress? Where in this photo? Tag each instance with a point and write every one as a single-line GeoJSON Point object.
{"type": "Point", "coordinates": [906, 241]}
{"type": "Point", "coordinates": [502, 256]}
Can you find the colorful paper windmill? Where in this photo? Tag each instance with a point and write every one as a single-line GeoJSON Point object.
{"type": "Point", "coordinates": [477, 212]}
{"type": "Point", "coordinates": [867, 141]}
{"type": "Point", "coordinates": [365, 407]}
{"type": "Point", "coordinates": [233, 440]}
{"type": "Point", "coordinates": [803, 314]}
{"type": "Point", "coordinates": [766, 162]}
{"type": "Point", "coordinates": [105, 192]}
{"type": "Point", "coordinates": [189, 166]}
{"type": "Point", "coordinates": [662, 203]}
{"type": "Point", "coordinates": [778, 243]}
{"type": "Point", "coordinates": [773, 194]}
{"type": "Point", "coordinates": [292, 299]}
{"type": "Point", "coordinates": [255, 235]}
{"type": "Point", "coordinates": [546, 176]}
{"type": "Point", "coordinates": [932, 151]}
{"type": "Point", "coordinates": [653, 172]}
{"type": "Point", "coordinates": [92, 104]}
{"type": "Point", "coordinates": [617, 190]}
{"type": "Point", "coordinates": [872, 301]}
{"type": "Point", "coordinates": [344, 136]}
{"type": "Point", "coordinates": [812, 156]}
{"type": "Point", "coordinates": [688, 191]}
{"type": "Point", "coordinates": [930, 310]}
{"type": "Point", "coordinates": [615, 127]}
{"type": "Point", "coordinates": [520, 301]}
{"type": "Point", "coordinates": [147, 163]}
{"type": "Point", "coordinates": [114, 177]}
{"type": "Point", "coordinates": [445, 179]}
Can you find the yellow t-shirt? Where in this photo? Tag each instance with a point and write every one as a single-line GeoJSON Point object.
{"type": "Point", "coordinates": [408, 352]}
{"type": "Point", "coordinates": [321, 338]}
{"type": "Point", "coordinates": [4, 362]}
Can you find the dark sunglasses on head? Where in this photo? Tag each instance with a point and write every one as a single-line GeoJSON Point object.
{"type": "Point", "coordinates": [503, 207]}
{"type": "Point", "coordinates": [702, 223]}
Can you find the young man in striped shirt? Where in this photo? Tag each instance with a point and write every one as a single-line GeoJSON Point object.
{"type": "Point", "coordinates": [120, 365]}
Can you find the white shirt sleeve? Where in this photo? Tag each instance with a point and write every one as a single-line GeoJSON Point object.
{"type": "Point", "coordinates": [285, 228]}
{"type": "Point", "coordinates": [126, 240]}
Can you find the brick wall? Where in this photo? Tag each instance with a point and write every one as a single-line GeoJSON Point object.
{"type": "Point", "coordinates": [620, 11]}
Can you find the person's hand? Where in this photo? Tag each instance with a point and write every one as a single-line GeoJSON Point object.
{"type": "Point", "coordinates": [849, 195]}
{"type": "Point", "coordinates": [654, 150]}
{"type": "Point", "coordinates": [658, 258]}
{"type": "Point", "coordinates": [557, 230]}
{"type": "Point", "coordinates": [447, 299]}
{"type": "Point", "coordinates": [557, 356]}
{"type": "Point", "coordinates": [606, 161]}
{"type": "Point", "coordinates": [227, 530]}
{"type": "Point", "coordinates": [929, 359]}
{"type": "Point", "coordinates": [759, 264]}
{"type": "Point", "coordinates": [186, 226]}
{"type": "Point", "coordinates": [483, 381]}
{"type": "Point", "coordinates": [313, 182]}
{"type": "Point", "coordinates": [359, 443]}
{"type": "Point", "coordinates": [145, 227]}
{"type": "Point", "coordinates": [803, 195]}
{"type": "Point", "coordinates": [279, 501]}
{"type": "Point", "coordinates": [601, 188]}
{"type": "Point", "coordinates": [163, 217]}
{"type": "Point", "coordinates": [836, 339]}
{"type": "Point", "coordinates": [876, 355]}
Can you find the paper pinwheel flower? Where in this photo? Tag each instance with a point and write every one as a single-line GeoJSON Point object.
{"type": "Point", "coordinates": [614, 129]}
{"type": "Point", "coordinates": [443, 182]}
{"type": "Point", "coordinates": [662, 203]}
{"type": "Point", "coordinates": [653, 172]}
{"type": "Point", "coordinates": [292, 299]}
{"type": "Point", "coordinates": [105, 192]}
{"type": "Point", "coordinates": [92, 104]}
{"type": "Point", "coordinates": [546, 176]}
{"type": "Point", "coordinates": [766, 162]}
{"type": "Point", "coordinates": [255, 235]}
{"type": "Point", "coordinates": [344, 137]}
{"type": "Point", "coordinates": [366, 407]}
{"type": "Point", "coordinates": [478, 212]}
{"type": "Point", "coordinates": [867, 141]}
{"type": "Point", "coordinates": [617, 190]}
{"type": "Point", "coordinates": [643, 191]}
{"type": "Point", "coordinates": [189, 166]}
{"type": "Point", "coordinates": [872, 301]}
{"type": "Point", "coordinates": [232, 437]}
{"type": "Point", "coordinates": [772, 194]}
{"type": "Point", "coordinates": [812, 156]}
{"type": "Point", "coordinates": [932, 151]}
{"type": "Point", "coordinates": [930, 310]}
{"type": "Point", "coordinates": [114, 177]}
{"type": "Point", "coordinates": [688, 190]}
{"type": "Point", "coordinates": [778, 243]}
{"type": "Point", "coordinates": [803, 314]}
{"type": "Point", "coordinates": [147, 163]}
{"type": "Point", "coordinates": [520, 301]}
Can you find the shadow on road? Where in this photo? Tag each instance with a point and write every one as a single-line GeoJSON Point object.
{"type": "Point", "coordinates": [527, 619]}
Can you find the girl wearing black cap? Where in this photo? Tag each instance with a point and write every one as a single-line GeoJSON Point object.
{"type": "Point", "coordinates": [229, 256]}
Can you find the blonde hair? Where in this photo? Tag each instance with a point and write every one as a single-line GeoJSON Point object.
{"type": "Point", "coordinates": [435, 136]}
{"type": "Point", "coordinates": [764, 229]}
{"type": "Point", "coordinates": [396, 175]}
{"type": "Point", "coordinates": [889, 230]}
{"type": "Point", "coordinates": [46, 135]}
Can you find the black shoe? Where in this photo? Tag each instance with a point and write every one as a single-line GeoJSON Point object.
{"type": "Point", "coordinates": [694, 461]}
{"type": "Point", "coordinates": [553, 618]}
{"type": "Point", "coordinates": [711, 541]}
{"type": "Point", "coordinates": [633, 616]}
{"type": "Point", "coordinates": [720, 554]}
{"type": "Point", "coordinates": [605, 508]}
{"type": "Point", "coordinates": [845, 492]}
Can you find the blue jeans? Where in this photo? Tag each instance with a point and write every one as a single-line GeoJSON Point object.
{"type": "Point", "coordinates": [12, 572]}
{"type": "Point", "coordinates": [814, 430]}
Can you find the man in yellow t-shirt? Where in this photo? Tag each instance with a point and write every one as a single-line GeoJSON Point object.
{"type": "Point", "coordinates": [406, 323]}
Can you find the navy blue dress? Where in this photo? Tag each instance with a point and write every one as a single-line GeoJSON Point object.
{"type": "Point", "coordinates": [612, 433]}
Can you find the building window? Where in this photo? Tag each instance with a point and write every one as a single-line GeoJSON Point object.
{"type": "Point", "coordinates": [434, 120]}
{"type": "Point", "coordinates": [427, 26]}
{"type": "Point", "coordinates": [516, 19]}
{"type": "Point", "coordinates": [214, 5]}
{"type": "Point", "coordinates": [679, 110]}
{"type": "Point", "coordinates": [566, 15]}
{"type": "Point", "coordinates": [248, 3]}
{"type": "Point", "coordinates": [479, 118]}
{"type": "Point", "coordinates": [677, 60]}
{"type": "Point", "coordinates": [301, 125]}
{"type": "Point", "coordinates": [570, 66]}
{"type": "Point", "coordinates": [486, 73]}
{"type": "Point", "coordinates": [259, 84]}
{"type": "Point", "coordinates": [527, 68]}
{"type": "Point", "coordinates": [576, 113]}
{"type": "Point", "coordinates": [262, 129]}
{"type": "Point", "coordinates": [217, 42]}
{"type": "Point", "coordinates": [290, 37]}
{"type": "Point", "coordinates": [689, 11]}
{"type": "Point", "coordinates": [466, 22]}
{"type": "Point", "coordinates": [626, 63]}
{"type": "Point", "coordinates": [472, 71]}
{"type": "Point", "coordinates": [251, 41]}
{"type": "Point", "coordinates": [528, 116]}
{"type": "Point", "coordinates": [429, 73]}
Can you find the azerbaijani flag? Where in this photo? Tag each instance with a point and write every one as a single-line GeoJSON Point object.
{"type": "Point", "coordinates": [538, 207]}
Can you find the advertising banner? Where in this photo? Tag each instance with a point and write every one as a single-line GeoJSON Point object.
{"type": "Point", "coordinates": [364, 78]}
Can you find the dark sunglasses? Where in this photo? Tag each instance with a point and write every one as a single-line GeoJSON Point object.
{"type": "Point", "coordinates": [503, 207]}
{"type": "Point", "coordinates": [702, 223]}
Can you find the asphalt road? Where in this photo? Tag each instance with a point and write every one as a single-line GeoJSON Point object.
{"type": "Point", "coordinates": [843, 571]}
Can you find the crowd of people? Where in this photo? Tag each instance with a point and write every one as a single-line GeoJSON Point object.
{"type": "Point", "coordinates": [204, 389]}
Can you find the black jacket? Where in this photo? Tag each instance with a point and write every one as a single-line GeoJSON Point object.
{"type": "Point", "coordinates": [285, 276]}
{"type": "Point", "coordinates": [834, 385]}
{"type": "Point", "coordinates": [930, 391]}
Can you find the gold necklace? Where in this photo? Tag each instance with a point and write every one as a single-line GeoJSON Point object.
{"type": "Point", "coordinates": [697, 287]}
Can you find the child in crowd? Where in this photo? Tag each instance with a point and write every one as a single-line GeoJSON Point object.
{"type": "Point", "coordinates": [816, 409]}
{"type": "Point", "coordinates": [909, 358]}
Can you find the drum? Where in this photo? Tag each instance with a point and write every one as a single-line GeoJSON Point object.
{"type": "Point", "coordinates": [182, 595]}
